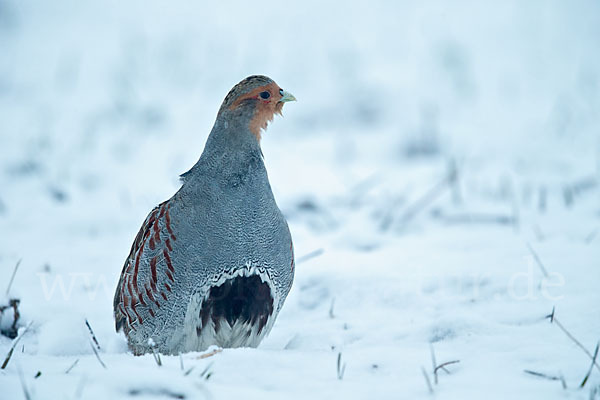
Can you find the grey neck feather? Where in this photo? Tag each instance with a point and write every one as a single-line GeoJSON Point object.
{"type": "Point", "coordinates": [231, 148]}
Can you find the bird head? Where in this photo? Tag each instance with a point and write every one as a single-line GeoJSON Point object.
{"type": "Point", "coordinates": [256, 100]}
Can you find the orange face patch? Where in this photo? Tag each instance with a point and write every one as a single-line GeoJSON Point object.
{"type": "Point", "coordinates": [265, 107]}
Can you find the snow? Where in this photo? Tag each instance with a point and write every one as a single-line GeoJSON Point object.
{"type": "Point", "coordinates": [104, 104]}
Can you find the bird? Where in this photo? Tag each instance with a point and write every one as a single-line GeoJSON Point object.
{"type": "Point", "coordinates": [213, 265]}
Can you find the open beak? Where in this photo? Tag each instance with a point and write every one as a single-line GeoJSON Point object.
{"type": "Point", "coordinates": [286, 96]}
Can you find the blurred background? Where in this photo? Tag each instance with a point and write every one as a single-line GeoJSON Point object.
{"type": "Point", "coordinates": [433, 136]}
{"type": "Point", "coordinates": [103, 105]}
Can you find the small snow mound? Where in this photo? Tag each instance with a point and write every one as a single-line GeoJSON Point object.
{"type": "Point", "coordinates": [64, 335]}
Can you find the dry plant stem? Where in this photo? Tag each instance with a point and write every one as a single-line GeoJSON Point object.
{"type": "Point", "coordinates": [433, 364]}
{"type": "Point", "coordinates": [156, 357]}
{"type": "Point", "coordinates": [206, 373]}
{"type": "Point", "coordinates": [12, 278]}
{"type": "Point", "coordinates": [542, 375]}
{"type": "Point", "coordinates": [97, 355]}
{"type": "Point", "coordinates": [15, 342]}
{"type": "Point", "coordinates": [209, 354]}
{"type": "Point", "coordinates": [92, 335]}
{"type": "Point", "coordinates": [427, 381]}
{"type": "Point", "coordinates": [549, 377]}
{"type": "Point", "coordinates": [428, 197]}
{"type": "Point", "coordinates": [72, 366]}
{"type": "Point", "coordinates": [537, 260]}
{"type": "Point", "coordinates": [585, 379]}
{"type": "Point", "coordinates": [341, 368]}
{"type": "Point", "coordinates": [362, 188]}
{"type": "Point", "coordinates": [563, 382]}
{"type": "Point", "coordinates": [312, 254]}
{"type": "Point", "coordinates": [331, 314]}
{"type": "Point", "coordinates": [553, 319]}
{"type": "Point", "coordinates": [443, 365]}
{"type": "Point", "coordinates": [476, 218]}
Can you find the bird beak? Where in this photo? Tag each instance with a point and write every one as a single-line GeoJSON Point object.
{"type": "Point", "coordinates": [287, 97]}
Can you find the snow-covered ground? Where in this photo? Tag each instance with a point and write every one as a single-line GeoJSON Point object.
{"type": "Point", "coordinates": [432, 143]}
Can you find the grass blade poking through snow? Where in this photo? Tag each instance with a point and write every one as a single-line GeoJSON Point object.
{"type": "Point", "coordinates": [554, 320]}
{"type": "Point", "coordinates": [341, 367]}
{"type": "Point", "coordinates": [591, 366]}
{"type": "Point", "coordinates": [442, 366]}
{"type": "Point", "coordinates": [427, 381]}
{"type": "Point", "coordinates": [72, 366]}
{"type": "Point", "coordinates": [92, 335]}
{"type": "Point", "coordinates": [548, 377]}
{"type": "Point", "coordinates": [94, 343]}
{"type": "Point", "coordinates": [97, 355]}
{"type": "Point", "coordinates": [312, 254]}
{"type": "Point", "coordinates": [537, 260]}
{"type": "Point", "coordinates": [14, 344]}
{"type": "Point", "coordinates": [12, 278]}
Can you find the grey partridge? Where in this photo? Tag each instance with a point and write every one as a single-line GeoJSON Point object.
{"type": "Point", "coordinates": [213, 264]}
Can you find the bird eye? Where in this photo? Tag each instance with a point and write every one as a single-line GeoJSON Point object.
{"type": "Point", "coordinates": [264, 95]}
{"type": "Point", "coordinates": [281, 92]}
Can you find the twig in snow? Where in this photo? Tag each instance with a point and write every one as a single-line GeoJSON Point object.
{"type": "Point", "coordinates": [549, 377]}
{"type": "Point", "coordinates": [427, 381]}
{"type": "Point", "coordinates": [161, 392]}
{"type": "Point", "coordinates": [72, 366]}
{"type": "Point", "coordinates": [591, 366]}
{"type": "Point", "coordinates": [209, 354]}
{"type": "Point", "coordinates": [206, 373]}
{"type": "Point", "coordinates": [155, 354]}
{"type": "Point", "coordinates": [92, 335]}
{"type": "Point", "coordinates": [156, 357]}
{"type": "Point", "coordinates": [433, 364]}
{"type": "Point", "coordinates": [97, 355]}
{"type": "Point", "coordinates": [430, 196]}
{"type": "Point", "coordinates": [180, 361]}
{"type": "Point", "coordinates": [537, 260]}
{"type": "Point", "coordinates": [341, 367]}
{"type": "Point", "coordinates": [444, 365]}
{"type": "Point", "coordinates": [12, 278]}
{"type": "Point", "coordinates": [362, 188]}
{"type": "Point", "coordinates": [474, 218]}
{"type": "Point", "coordinates": [554, 320]}
{"type": "Point", "coordinates": [312, 254]}
{"type": "Point", "coordinates": [331, 314]}
{"type": "Point", "coordinates": [14, 344]}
